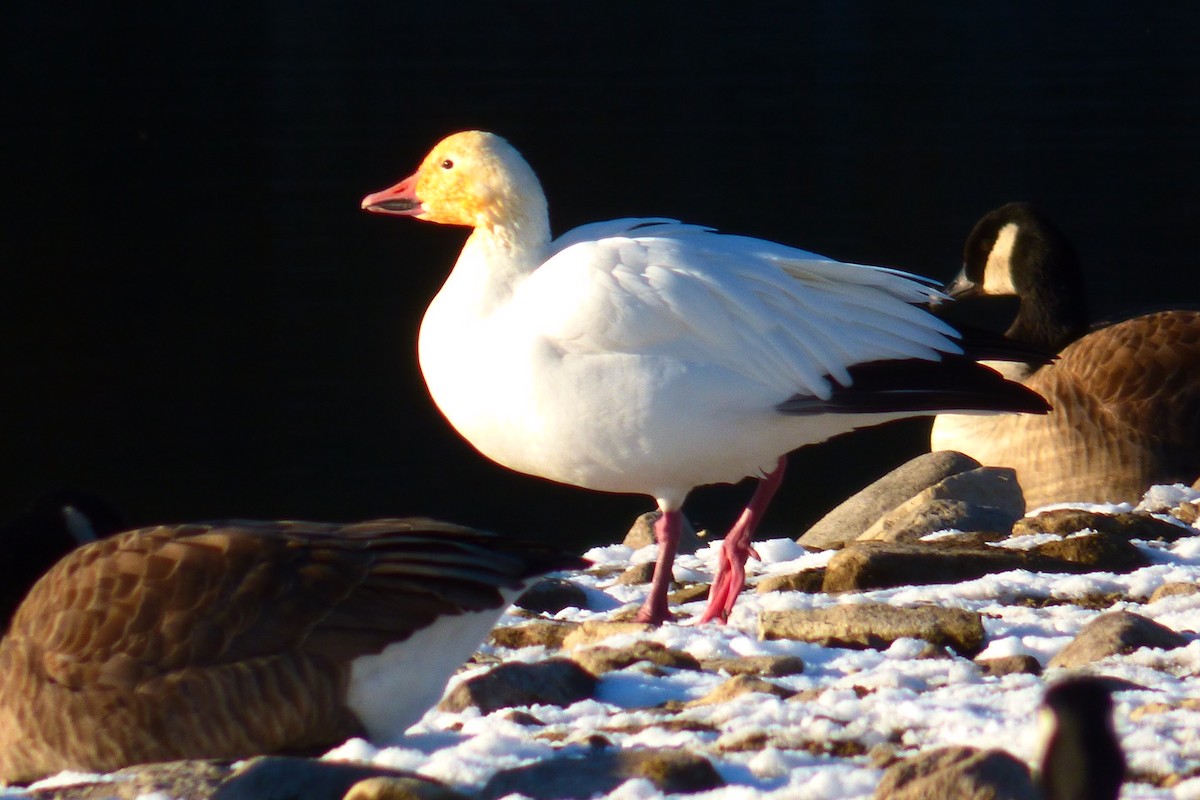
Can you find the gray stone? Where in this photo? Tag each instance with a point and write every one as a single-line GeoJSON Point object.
{"type": "Point", "coordinates": [597, 630]}
{"type": "Point", "coordinates": [603, 770]}
{"type": "Point", "coordinates": [882, 565]}
{"type": "Point", "coordinates": [1173, 590]}
{"type": "Point", "coordinates": [641, 534]}
{"type": "Point", "coordinates": [938, 515]}
{"type": "Point", "coordinates": [285, 778]}
{"type": "Point", "coordinates": [598, 660]}
{"type": "Point", "coordinates": [1009, 665]}
{"type": "Point", "coordinates": [808, 580]}
{"type": "Point", "coordinates": [1098, 552]}
{"type": "Point", "coordinates": [876, 626]}
{"type": "Point", "coordinates": [637, 574]}
{"type": "Point", "coordinates": [1124, 524]}
{"type": "Point", "coordinates": [739, 685]}
{"type": "Point", "coordinates": [689, 593]}
{"type": "Point", "coordinates": [771, 666]}
{"type": "Point", "coordinates": [408, 788]}
{"type": "Point", "coordinates": [1115, 633]}
{"type": "Point", "coordinates": [957, 773]}
{"type": "Point", "coordinates": [555, 682]}
{"type": "Point", "coordinates": [185, 780]}
{"type": "Point", "coordinates": [984, 487]}
{"type": "Point", "coordinates": [531, 634]}
{"type": "Point", "coordinates": [1187, 512]}
{"type": "Point", "coordinates": [847, 521]}
{"type": "Point", "coordinates": [552, 595]}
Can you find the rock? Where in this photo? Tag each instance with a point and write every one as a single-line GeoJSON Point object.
{"type": "Point", "coordinates": [381, 788]}
{"type": "Point", "coordinates": [808, 580]}
{"type": "Point", "coordinates": [1149, 710]}
{"type": "Point", "coordinates": [739, 685]}
{"type": "Point", "coordinates": [772, 666]}
{"type": "Point", "coordinates": [957, 773]}
{"type": "Point", "coordinates": [994, 488]}
{"type": "Point", "coordinates": [881, 565]}
{"type": "Point", "coordinates": [531, 634]}
{"type": "Point", "coordinates": [598, 660]}
{"type": "Point", "coordinates": [1173, 590]}
{"type": "Point", "coordinates": [522, 718]}
{"type": "Point", "coordinates": [876, 626]}
{"type": "Point", "coordinates": [185, 780]}
{"type": "Point", "coordinates": [601, 771]}
{"type": "Point", "coordinates": [689, 594]}
{"type": "Point", "coordinates": [286, 778]}
{"type": "Point", "coordinates": [1118, 632]}
{"type": "Point", "coordinates": [594, 631]}
{"type": "Point", "coordinates": [938, 515]}
{"type": "Point", "coordinates": [1124, 524]}
{"type": "Point", "coordinates": [1097, 552]}
{"type": "Point", "coordinates": [552, 595]}
{"type": "Point", "coordinates": [642, 534]}
{"type": "Point", "coordinates": [847, 521]}
{"type": "Point", "coordinates": [555, 682]}
{"type": "Point", "coordinates": [878, 565]}
{"type": "Point", "coordinates": [637, 574]}
{"type": "Point", "coordinates": [1187, 512]}
{"type": "Point", "coordinates": [1009, 665]}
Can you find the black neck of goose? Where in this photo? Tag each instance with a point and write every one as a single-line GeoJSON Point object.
{"type": "Point", "coordinates": [1054, 309]}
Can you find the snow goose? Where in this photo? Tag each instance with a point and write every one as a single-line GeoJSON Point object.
{"type": "Point", "coordinates": [648, 356]}
{"type": "Point", "coordinates": [1126, 396]}
{"type": "Point", "coordinates": [228, 640]}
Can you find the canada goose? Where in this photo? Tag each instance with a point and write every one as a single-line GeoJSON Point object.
{"type": "Point", "coordinates": [1126, 396]}
{"type": "Point", "coordinates": [647, 356]}
{"type": "Point", "coordinates": [1081, 756]}
{"type": "Point", "coordinates": [227, 640]}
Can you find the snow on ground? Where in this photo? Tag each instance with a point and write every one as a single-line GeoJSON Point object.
{"type": "Point", "coordinates": [913, 703]}
{"type": "Point", "coordinates": [864, 697]}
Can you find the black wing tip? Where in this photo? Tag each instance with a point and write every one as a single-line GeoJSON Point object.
{"type": "Point", "coordinates": [908, 386]}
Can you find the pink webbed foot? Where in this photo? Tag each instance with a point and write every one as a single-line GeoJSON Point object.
{"type": "Point", "coordinates": [737, 548]}
{"type": "Point", "coordinates": [666, 531]}
{"type": "Point", "coordinates": [731, 571]}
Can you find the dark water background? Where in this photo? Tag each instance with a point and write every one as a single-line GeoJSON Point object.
{"type": "Point", "coordinates": [199, 322]}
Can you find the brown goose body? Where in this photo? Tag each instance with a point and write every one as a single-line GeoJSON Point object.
{"type": "Point", "coordinates": [1125, 396]}
{"type": "Point", "coordinates": [233, 639]}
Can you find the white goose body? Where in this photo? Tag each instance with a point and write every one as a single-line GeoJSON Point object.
{"type": "Point", "coordinates": [658, 353]}
{"type": "Point", "coordinates": [645, 355]}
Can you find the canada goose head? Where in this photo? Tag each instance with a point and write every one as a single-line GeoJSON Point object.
{"type": "Point", "coordinates": [52, 526]}
{"type": "Point", "coordinates": [1016, 251]}
{"type": "Point", "coordinates": [1081, 755]}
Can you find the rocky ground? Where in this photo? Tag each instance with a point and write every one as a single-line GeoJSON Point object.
{"type": "Point", "coordinates": [899, 649]}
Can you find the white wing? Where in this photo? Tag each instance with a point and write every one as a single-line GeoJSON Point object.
{"type": "Point", "coordinates": [779, 316]}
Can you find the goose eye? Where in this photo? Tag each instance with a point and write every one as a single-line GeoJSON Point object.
{"type": "Point", "coordinates": [447, 164]}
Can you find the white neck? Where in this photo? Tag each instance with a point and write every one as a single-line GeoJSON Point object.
{"type": "Point", "coordinates": [497, 257]}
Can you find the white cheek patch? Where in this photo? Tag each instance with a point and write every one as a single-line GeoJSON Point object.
{"type": "Point", "coordinates": [1047, 727]}
{"type": "Point", "coordinates": [997, 273]}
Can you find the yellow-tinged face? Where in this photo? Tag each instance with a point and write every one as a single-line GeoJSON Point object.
{"type": "Point", "coordinates": [471, 178]}
{"type": "Point", "coordinates": [456, 182]}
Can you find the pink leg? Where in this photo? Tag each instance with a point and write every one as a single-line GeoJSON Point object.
{"type": "Point", "coordinates": [666, 531]}
{"type": "Point", "coordinates": [731, 563]}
